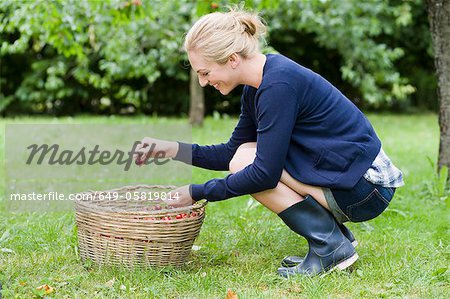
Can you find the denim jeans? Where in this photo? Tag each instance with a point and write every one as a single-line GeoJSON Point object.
{"type": "Point", "coordinates": [364, 202]}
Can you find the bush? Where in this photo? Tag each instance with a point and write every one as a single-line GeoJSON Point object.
{"type": "Point", "coordinates": [90, 56]}
{"type": "Point", "coordinates": [124, 56]}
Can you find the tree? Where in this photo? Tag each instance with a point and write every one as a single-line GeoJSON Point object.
{"type": "Point", "coordinates": [197, 110]}
{"type": "Point", "coordinates": [439, 17]}
{"type": "Point", "coordinates": [197, 96]}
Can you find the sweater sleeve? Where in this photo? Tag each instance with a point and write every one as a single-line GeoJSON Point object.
{"type": "Point", "coordinates": [276, 111]}
{"type": "Point", "coordinates": [218, 157]}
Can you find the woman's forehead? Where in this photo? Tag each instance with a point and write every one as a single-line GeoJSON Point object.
{"type": "Point", "coordinates": [198, 62]}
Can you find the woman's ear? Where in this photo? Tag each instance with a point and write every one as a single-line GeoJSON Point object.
{"type": "Point", "coordinates": [234, 60]}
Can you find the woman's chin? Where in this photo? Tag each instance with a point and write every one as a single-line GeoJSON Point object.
{"type": "Point", "coordinates": [225, 91]}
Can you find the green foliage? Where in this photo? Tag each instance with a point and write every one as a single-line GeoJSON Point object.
{"type": "Point", "coordinates": [418, 62]}
{"type": "Point", "coordinates": [355, 30]}
{"type": "Point", "coordinates": [125, 56]}
{"type": "Point", "coordinates": [106, 54]}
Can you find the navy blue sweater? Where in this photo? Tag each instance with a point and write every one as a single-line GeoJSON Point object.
{"type": "Point", "coordinates": [301, 123]}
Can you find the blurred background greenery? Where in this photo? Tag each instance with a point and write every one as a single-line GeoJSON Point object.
{"type": "Point", "coordinates": [70, 57]}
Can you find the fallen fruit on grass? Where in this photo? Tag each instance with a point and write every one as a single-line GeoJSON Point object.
{"type": "Point", "coordinates": [46, 288]}
{"type": "Point", "coordinates": [231, 295]}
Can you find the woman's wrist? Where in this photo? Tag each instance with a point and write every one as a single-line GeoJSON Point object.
{"type": "Point", "coordinates": [190, 193]}
{"type": "Point", "coordinates": [173, 149]}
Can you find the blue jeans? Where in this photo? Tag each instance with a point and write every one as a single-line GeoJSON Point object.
{"type": "Point", "coordinates": [364, 202]}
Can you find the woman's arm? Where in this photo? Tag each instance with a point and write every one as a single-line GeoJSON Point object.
{"type": "Point", "coordinates": [218, 157]}
{"type": "Point", "coordinates": [277, 110]}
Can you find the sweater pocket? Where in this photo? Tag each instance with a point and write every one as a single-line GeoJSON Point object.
{"type": "Point", "coordinates": [328, 160]}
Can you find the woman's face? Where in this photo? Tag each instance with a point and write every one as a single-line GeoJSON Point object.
{"type": "Point", "coordinates": [221, 76]}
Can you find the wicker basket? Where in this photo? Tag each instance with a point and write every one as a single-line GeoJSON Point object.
{"type": "Point", "coordinates": [122, 227]}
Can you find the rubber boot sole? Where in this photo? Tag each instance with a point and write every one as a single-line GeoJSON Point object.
{"type": "Point", "coordinates": [342, 265]}
{"type": "Point", "coordinates": [293, 264]}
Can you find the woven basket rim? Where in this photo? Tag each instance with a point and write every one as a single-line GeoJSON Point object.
{"type": "Point", "coordinates": [94, 207]}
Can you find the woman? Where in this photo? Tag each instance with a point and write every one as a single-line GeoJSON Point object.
{"type": "Point", "coordinates": [300, 148]}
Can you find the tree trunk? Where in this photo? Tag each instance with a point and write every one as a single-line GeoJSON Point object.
{"type": "Point", "coordinates": [439, 17]}
{"type": "Point", "coordinates": [197, 110]}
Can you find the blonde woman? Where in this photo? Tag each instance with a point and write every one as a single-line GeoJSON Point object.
{"type": "Point", "coordinates": [300, 148]}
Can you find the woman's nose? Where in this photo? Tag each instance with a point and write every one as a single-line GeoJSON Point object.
{"type": "Point", "coordinates": [203, 82]}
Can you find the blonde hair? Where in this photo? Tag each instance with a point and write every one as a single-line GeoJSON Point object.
{"type": "Point", "coordinates": [218, 35]}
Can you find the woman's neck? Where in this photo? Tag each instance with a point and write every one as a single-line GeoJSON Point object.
{"type": "Point", "coordinates": [252, 70]}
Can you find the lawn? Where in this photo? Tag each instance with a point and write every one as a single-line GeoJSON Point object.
{"type": "Point", "coordinates": [403, 253]}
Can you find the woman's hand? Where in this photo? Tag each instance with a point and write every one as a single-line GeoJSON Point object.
{"type": "Point", "coordinates": [181, 197]}
{"type": "Point", "coordinates": [151, 147]}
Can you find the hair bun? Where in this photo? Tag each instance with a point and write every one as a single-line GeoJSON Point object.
{"type": "Point", "coordinates": [218, 35]}
{"type": "Point", "coordinates": [248, 24]}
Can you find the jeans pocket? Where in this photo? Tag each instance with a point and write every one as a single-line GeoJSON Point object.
{"type": "Point", "coordinates": [368, 208]}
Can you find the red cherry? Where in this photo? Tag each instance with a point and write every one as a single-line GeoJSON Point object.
{"type": "Point", "coordinates": [179, 216]}
{"type": "Point", "coordinates": [138, 161]}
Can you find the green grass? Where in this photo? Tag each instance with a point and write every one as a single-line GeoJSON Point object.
{"type": "Point", "coordinates": [404, 253]}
